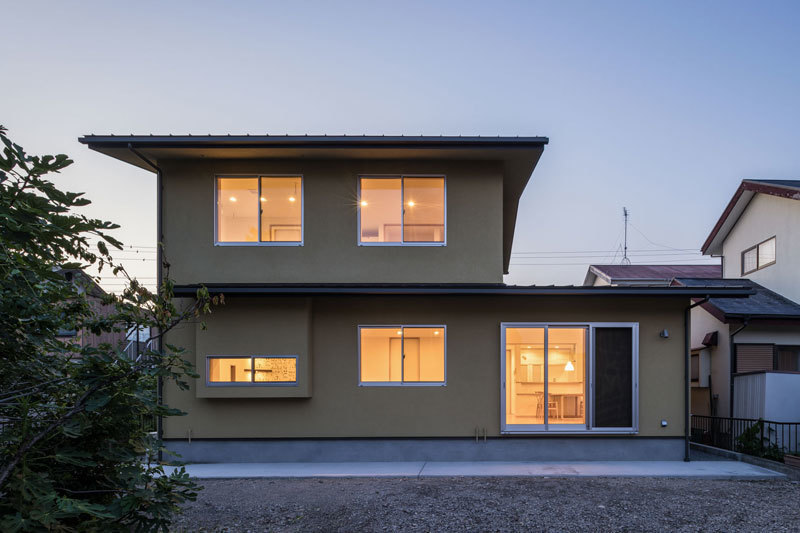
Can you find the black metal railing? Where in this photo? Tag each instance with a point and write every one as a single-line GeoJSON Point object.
{"type": "Point", "coordinates": [761, 438]}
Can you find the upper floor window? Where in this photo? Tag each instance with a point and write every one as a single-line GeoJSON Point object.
{"type": "Point", "coordinates": [402, 210]}
{"type": "Point", "coordinates": [260, 210]}
{"type": "Point", "coordinates": [759, 256]}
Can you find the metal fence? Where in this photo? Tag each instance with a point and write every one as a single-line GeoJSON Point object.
{"type": "Point", "coordinates": [762, 438]}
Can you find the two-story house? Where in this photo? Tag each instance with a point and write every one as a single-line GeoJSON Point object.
{"type": "Point", "coordinates": [366, 316]}
{"type": "Point", "coordinates": [755, 364]}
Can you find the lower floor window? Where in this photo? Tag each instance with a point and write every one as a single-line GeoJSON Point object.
{"type": "Point", "coordinates": [253, 370]}
{"type": "Point", "coordinates": [402, 355]}
{"type": "Point", "coordinates": [566, 377]}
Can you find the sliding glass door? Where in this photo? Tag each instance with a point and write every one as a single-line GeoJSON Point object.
{"type": "Point", "coordinates": [568, 377]}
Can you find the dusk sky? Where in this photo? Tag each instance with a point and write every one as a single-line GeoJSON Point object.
{"type": "Point", "coordinates": [662, 107]}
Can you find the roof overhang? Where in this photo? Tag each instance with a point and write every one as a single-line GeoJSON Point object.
{"type": "Point", "coordinates": [518, 155]}
{"type": "Point", "coordinates": [733, 211]}
{"type": "Point", "coordinates": [454, 289]}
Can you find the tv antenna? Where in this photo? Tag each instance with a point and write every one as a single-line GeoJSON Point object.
{"type": "Point", "coordinates": [625, 260]}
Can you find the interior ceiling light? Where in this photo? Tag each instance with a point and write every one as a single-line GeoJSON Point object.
{"type": "Point", "coordinates": [435, 332]}
{"type": "Point", "coordinates": [232, 198]}
{"type": "Point", "coordinates": [263, 199]}
{"type": "Point", "coordinates": [568, 367]}
{"type": "Point", "coordinates": [411, 203]}
{"type": "Point", "coordinates": [399, 332]}
{"type": "Point", "coordinates": [364, 203]}
{"type": "Point", "coordinates": [292, 198]}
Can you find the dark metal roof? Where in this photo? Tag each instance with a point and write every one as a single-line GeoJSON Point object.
{"type": "Point", "coordinates": [763, 304]}
{"type": "Point", "coordinates": [429, 289]}
{"type": "Point", "coordinates": [651, 273]}
{"type": "Point", "coordinates": [517, 155]}
{"type": "Point", "coordinates": [741, 198]}
{"type": "Point", "coordinates": [312, 140]}
{"type": "Point", "coordinates": [786, 184]}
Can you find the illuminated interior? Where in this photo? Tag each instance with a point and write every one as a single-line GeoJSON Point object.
{"type": "Point", "coordinates": [281, 209]}
{"type": "Point", "coordinates": [237, 210]}
{"type": "Point", "coordinates": [230, 370]}
{"type": "Point", "coordinates": [402, 210]}
{"type": "Point", "coordinates": [402, 355]}
{"type": "Point", "coordinates": [276, 201]}
{"type": "Point", "coordinates": [240, 370]}
{"type": "Point", "coordinates": [563, 400]}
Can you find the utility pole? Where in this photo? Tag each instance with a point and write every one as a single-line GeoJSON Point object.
{"type": "Point", "coordinates": [625, 260]}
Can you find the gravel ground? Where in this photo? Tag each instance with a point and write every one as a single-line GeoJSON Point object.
{"type": "Point", "coordinates": [493, 504]}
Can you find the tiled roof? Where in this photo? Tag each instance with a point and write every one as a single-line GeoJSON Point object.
{"type": "Point", "coordinates": [763, 304]}
{"type": "Point", "coordinates": [655, 273]}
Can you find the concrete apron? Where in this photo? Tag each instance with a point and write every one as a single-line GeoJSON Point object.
{"type": "Point", "coordinates": [418, 469]}
{"type": "Point", "coordinates": [504, 449]}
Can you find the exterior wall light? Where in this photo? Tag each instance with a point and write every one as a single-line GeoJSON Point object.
{"type": "Point", "coordinates": [664, 334]}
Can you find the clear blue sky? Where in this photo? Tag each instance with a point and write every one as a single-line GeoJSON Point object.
{"type": "Point", "coordinates": [662, 107]}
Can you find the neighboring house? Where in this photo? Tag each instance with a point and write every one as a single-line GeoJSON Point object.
{"type": "Point", "coordinates": [758, 235]}
{"type": "Point", "coordinates": [85, 284]}
{"type": "Point", "coordinates": [635, 275]}
{"type": "Point", "coordinates": [758, 238]}
{"type": "Point", "coordinates": [365, 316]}
{"type": "Point", "coordinates": [745, 353]}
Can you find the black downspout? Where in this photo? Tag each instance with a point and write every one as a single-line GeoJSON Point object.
{"type": "Point", "coordinates": [686, 377]}
{"type": "Point", "coordinates": [732, 349]}
{"type": "Point", "coordinates": [159, 278]}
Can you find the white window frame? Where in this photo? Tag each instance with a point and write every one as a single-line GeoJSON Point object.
{"type": "Point", "coordinates": [252, 382]}
{"type": "Point", "coordinates": [402, 206]}
{"type": "Point", "coordinates": [217, 242]}
{"type": "Point", "coordinates": [402, 327]}
{"type": "Point", "coordinates": [562, 429]}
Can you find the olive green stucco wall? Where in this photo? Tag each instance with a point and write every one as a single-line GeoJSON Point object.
{"type": "Point", "coordinates": [338, 407]}
{"type": "Point", "coordinates": [330, 254]}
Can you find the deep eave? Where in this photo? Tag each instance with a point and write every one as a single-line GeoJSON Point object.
{"type": "Point", "coordinates": [453, 289]}
{"type": "Point", "coordinates": [741, 198]}
{"type": "Point", "coordinates": [518, 155]}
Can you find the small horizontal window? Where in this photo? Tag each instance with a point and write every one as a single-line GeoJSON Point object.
{"type": "Point", "coordinates": [254, 370]}
{"type": "Point", "coordinates": [402, 355]}
{"type": "Point", "coordinates": [266, 209]}
{"type": "Point", "coordinates": [760, 256]}
{"type": "Point", "coordinates": [402, 210]}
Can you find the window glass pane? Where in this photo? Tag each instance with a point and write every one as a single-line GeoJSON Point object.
{"type": "Point", "coordinates": [766, 253]}
{"type": "Point", "coordinates": [275, 369]}
{"type": "Point", "coordinates": [424, 354]}
{"type": "Point", "coordinates": [229, 370]}
{"type": "Point", "coordinates": [566, 371]}
{"type": "Point", "coordinates": [281, 209]}
{"type": "Point", "coordinates": [423, 209]}
{"type": "Point", "coordinates": [613, 378]}
{"type": "Point", "coordinates": [381, 209]}
{"type": "Point", "coordinates": [525, 376]}
{"type": "Point", "coordinates": [381, 354]}
{"type": "Point", "coordinates": [749, 261]}
{"type": "Point", "coordinates": [237, 209]}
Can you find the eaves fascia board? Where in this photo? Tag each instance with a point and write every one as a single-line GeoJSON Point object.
{"type": "Point", "coordinates": [684, 292]}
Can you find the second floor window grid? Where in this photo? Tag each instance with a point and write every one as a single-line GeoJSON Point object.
{"type": "Point", "coordinates": [259, 210]}
{"type": "Point", "coordinates": [402, 210]}
{"type": "Point", "coordinates": [759, 256]}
